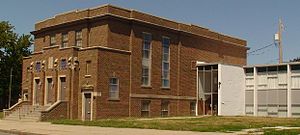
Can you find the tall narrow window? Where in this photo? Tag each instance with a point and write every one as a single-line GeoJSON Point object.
{"type": "Point", "coordinates": [146, 59]}
{"type": "Point", "coordinates": [63, 64]}
{"type": "Point", "coordinates": [38, 66]}
{"type": "Point", "coordinates": [50, 62]}
{"type": "Point", "coordinates": [114, 88]}
{"type": "Point", "coordinates": [78, 38]}
{"type": "Point", "coordinates": [88, 66]}
{"type": "Point", "coordinates": [165, 62]}
{"type": "Point", "coordinates": [145, 108]}
{"type": "Point", "coordinates": [52, 40]}
{"type": "Point", "coordinates": [64, 40]}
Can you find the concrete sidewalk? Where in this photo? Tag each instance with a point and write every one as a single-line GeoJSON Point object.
{"type": "Point", "coordinates": [52, 129]}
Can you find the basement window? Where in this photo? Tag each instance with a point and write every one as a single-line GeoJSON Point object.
{"type": "Point", "coordinates": [145, 108]}
{"type": "Point", "coordinates": [192, 108]}
{"type": "Point", "coordinates": [164, 108]}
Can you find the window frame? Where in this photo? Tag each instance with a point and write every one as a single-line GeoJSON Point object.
{"type": "Point", "coordinates": [147, 61]}
{"type": "Point", "coordinates": [87, 67]}
{"type": "Point", "coordinates": [40, 66]}
{"type": "Point", "coordinates": [52, 40]}
{"type": "Point", "coordinates": [117, 89]}
{"type": "Point", "coordinates": [61, 65]}
{"type": "Point", "coordinates": [148, 102]}
{"type": "Point", "coordinates": [64, 40]}
{"type": "Point", "coordinates": [78, 38]}
{"type": "Point", "coordinates": [163, 77]}
{"type": "Point", "coordinates": [163, 110]}
{"type": "Point", "coordinates": [193, 107]}
{"type": "Point", "coordinates": [50, 62]}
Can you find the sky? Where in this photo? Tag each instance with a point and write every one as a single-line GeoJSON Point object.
{"type": "Point", "coordinates": [255, 21]}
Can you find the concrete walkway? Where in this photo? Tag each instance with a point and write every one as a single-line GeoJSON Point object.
{"type": "Point", "coordinates": [52, 129]}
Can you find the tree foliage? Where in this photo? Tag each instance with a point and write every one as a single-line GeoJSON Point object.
{"type": "Point", "coordinates": [13, 47]}
{"type": "Point", "coordinates": [295, 59]}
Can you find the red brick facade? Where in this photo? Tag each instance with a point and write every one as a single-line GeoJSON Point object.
{"type": "Point", "coordinates": [112, 40]}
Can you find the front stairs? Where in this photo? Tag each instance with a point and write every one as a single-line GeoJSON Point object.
{"type": "Point", "coordinates": [26, 113]}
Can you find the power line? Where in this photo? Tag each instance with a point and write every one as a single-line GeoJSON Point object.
{"type": "Point", "coordinates": [261, 48]}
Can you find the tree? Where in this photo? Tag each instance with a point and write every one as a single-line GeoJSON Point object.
{"type": "Point", "coordinates": [295, 59]}
{"type": "Point", "coordinates": [13, 48]}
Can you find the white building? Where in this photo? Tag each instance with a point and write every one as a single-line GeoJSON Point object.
{"type": "Point", "coordinates": [259, 90]}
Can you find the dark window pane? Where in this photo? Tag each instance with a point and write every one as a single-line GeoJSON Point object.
{"type": "Point", "coordinates": [146, 54]}
{"type": "Point", "coordinates": [166, 66]}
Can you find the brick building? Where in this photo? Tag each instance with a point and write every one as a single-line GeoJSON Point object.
{"type": "Point", "coordinates": [113, 62]}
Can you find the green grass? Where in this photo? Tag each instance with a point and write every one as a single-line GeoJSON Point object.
{"type": "Point", "coordinates": [204, 124]}
{"type": "Point", "coordinates": [282, 132]}
{"type": "Point", "coordinates": [1, 115]}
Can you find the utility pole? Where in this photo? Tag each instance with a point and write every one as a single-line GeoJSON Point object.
{"type": "Point", "coordinates": [9, 91]}
{"type": "Point", "coordinates": [279, 40]}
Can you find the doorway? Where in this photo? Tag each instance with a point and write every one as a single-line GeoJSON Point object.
{"type": "Point", "coordinates": [62, 88]}
{"type": "Point", "coordinates": [208, 89]}
{"type": "Point", "coordinates": [49, 93]}
{"type": "Point", "coordinates": [87, 106]}
{"type": "Point", "coordinates": [36, 88]}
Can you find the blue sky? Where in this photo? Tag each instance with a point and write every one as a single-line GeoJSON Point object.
{"type": "Point", "coordinates": [253, 20]}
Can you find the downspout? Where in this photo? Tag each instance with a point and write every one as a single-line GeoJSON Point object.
{"type": "Point", "coordinates": [197, 90]}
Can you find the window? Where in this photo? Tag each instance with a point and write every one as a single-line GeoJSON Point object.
{"type": "Point", "coordinates": [78, 38]}
{"type": "Point", "coordinates": [164, 108]}
{"type": "Point", "coordinates": [114, 88]}
{"type": "Point", "coordinates": [38, 66]}
{"type": "Point", "coordinates": [52, 40]}
{"type": "Point", "coordinates": [50, 62]}
{"type": "Point", "coordinates": [165, 62]}
{"type": "Point", "coordinates": [64, 40]}
{"type": "Point", "coordinates": [146, 59]}
{"type": "Point", "coordinates": [192, 108]}
{"type": "Point", "coordinates": [63, 64]}
{"type": "Point", "coordinates": [88, 66]}
{"type": "Point", "coordinates": [145, 108]}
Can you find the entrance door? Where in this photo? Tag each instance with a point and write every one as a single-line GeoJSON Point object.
{"type": "Point", "coordinates": [62, 88]}
{"type": "Point", "coordinates": [87, 106]}
{"type": "Point", "coordinates": [36, 92]}
{"type": "Point", "coordinates": [49, 92]}
{"type": "Point", "coordinates": [208, 89]}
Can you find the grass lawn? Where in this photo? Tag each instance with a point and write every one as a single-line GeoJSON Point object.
{"type": "Point", "coordinates": [204, 124]}
{"type": "Point", "coordinates": [1, 115]}
{"type": "Point", "coordinates": [282, 132]}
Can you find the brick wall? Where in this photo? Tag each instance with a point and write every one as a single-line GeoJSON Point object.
{"type": "Point", "coordinates": [113, 45]}
{"type": "Point", "coordinates": [58, 112]}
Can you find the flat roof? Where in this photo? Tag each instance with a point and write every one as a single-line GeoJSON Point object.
{"type": "Point", "coordinates": [130, 14]}
{"type": "Point", "coordinates": [270, 65]}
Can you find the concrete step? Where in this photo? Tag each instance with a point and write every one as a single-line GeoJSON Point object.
{"type": "Point", "coordinates": [27, 113]}
{"type": "Point", "coordinates": [23, 119]}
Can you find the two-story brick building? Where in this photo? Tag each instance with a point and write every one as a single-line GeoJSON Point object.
{"type": "Point", "coordinates": [113, 62]}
